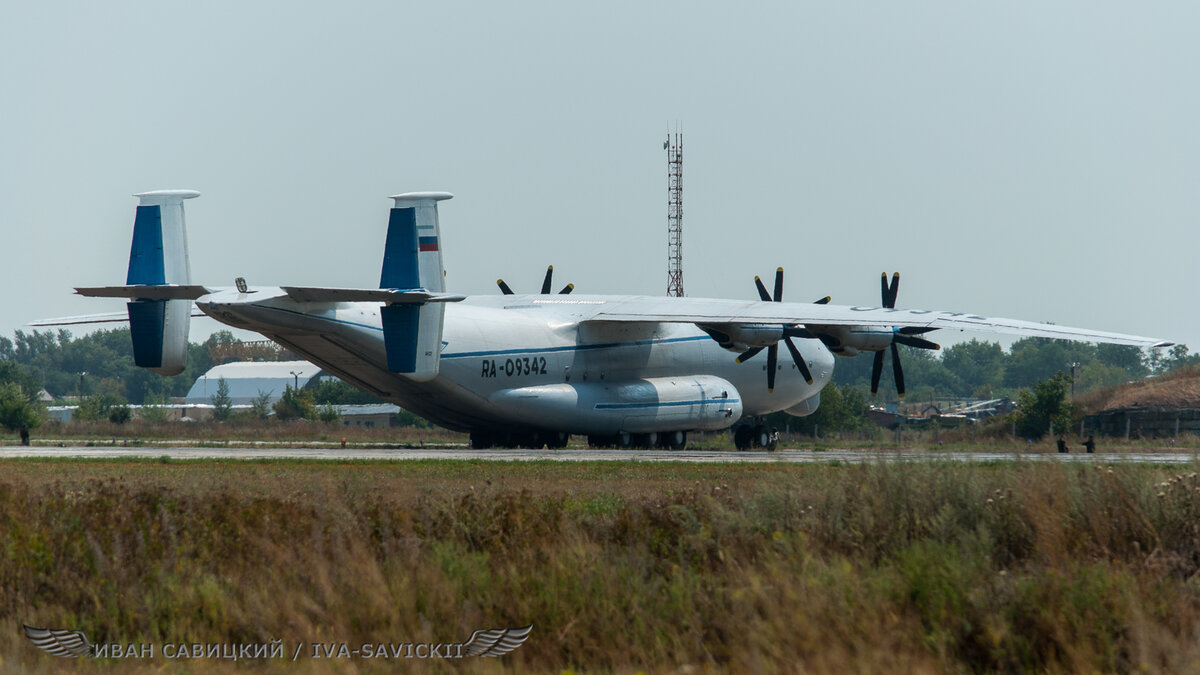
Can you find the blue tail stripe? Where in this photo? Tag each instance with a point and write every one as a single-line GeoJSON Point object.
{"type": "Point", "coordinates": [146, 254]}
{"type": "Point", "coordinates": [400, 324]}
{"type": "Point", "coordinates": [400, 251]}
{"type": "Point", "coordinates": [146, 323]}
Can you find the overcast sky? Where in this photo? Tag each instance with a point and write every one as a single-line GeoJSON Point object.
{"type": "Point", "coordinates": [1038, 161]}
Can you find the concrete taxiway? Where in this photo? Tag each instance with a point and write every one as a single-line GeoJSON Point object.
{"type": "Point", "coordinates": [586, 455]}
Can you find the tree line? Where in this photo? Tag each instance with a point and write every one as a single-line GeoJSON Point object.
{"type": "Point", "coordinates": [97, 370]}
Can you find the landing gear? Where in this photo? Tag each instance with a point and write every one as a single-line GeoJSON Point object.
{"type": "Point", "coordinates": [675, 440]}
{"type": "Point", "coordinates": [481, 439]}
{"type": "Point", "coordinates": [755, 437]}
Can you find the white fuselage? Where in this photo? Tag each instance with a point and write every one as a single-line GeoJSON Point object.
{"type": "Point", "coordinates": [498, 346]}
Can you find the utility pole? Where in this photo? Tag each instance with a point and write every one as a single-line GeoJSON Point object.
{"type": "Point", "coordinates": [674, 148]}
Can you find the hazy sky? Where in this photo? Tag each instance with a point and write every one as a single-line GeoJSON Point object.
{"type": "Point", "coordinates": [1029, 160]}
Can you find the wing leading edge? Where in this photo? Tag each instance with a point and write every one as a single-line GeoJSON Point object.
{"type": "Point", "coordinates": [711, 311]}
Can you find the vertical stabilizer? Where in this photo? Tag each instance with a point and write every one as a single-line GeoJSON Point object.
{"type": "Point", "coordinates": [157, 257]}
{"type": "Point", "coordinates": [412, 259]}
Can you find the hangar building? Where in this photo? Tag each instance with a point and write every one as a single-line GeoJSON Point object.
{"type": "Point", "coordinates": [249, 379]}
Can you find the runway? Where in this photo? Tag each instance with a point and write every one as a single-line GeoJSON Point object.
{"type": "Point", "coordinates": [582, 455]}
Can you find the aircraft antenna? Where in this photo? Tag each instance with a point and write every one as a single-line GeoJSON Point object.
{"type": "Point", "coordinates": [674, 148]}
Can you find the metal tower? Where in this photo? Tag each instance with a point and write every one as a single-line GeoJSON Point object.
{"type": "Point", "coordinates": [674, 148]}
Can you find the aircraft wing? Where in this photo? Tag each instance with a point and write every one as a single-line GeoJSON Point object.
{"type": "Point", "coordinates": [107, 317]}
{"type": "Point", "coordinates": [140, 292]}
{"type": "Point", "coordinates": [385, 295]}
{"type": "Point", "coordinates": [711, 311]}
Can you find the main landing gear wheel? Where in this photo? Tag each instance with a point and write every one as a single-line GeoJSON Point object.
{"type": "Point", "coordinates": [675, 440]}
{"type": "Point", "coordinates": [755, 437]}
{"type": "Point", "coordinates": [743, 436]}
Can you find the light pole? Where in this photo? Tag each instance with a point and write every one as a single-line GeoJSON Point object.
{"type": "Point", "coordinates": [295, 380]}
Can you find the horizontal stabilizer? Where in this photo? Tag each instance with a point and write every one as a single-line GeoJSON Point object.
{"type": "Point", "coordinates": [385, 295]}
{"type": "Point", "coordinates": [139, 292]}
{"type": "Point", "coordinates": [106, 317]}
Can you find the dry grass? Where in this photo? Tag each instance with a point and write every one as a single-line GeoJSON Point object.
{"type": "Point", "coordinates": [245, 431]}
{"type": "Point", "coordinates": [912, 568]}
{"type": "Point", "coordinates": [1177, 389]}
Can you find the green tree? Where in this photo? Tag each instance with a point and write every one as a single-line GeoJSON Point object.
{"type": "Point", "coordinates": [1046, 404]}
{"type": "Point", "coordinates": [154, 410]}
{"type": "Point", "coordinates": [295, 404]}
{"type": "Point", "coordinates": [328, 413]}
{"type": "Point", "coordinates": [841, 408]}
{"type": "Point", "coordinates": [1179, 357]}
{"type": "Point", "coordinates": [119, 414]}
{"type": "Point", "coordinates": [337, 392]}
{"type": "Point", "coordinates": [97, 408]}
{"type": "Point", "coordinates": [260, 406]}
{"type": "Point", "coordinates": [221, 401]}
{"type": "Point", "coordinates": [1034, 360]}
{"type": "Point", "coordinates": [978, 365]}
{"type": "Point", "coordinates": [19, 412]}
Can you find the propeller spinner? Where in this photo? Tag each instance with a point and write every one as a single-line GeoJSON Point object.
{"type": "Point", "coordinates": [788, 333]}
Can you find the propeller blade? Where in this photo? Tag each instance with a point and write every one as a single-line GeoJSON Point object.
{"type": "Point", "coordinates": [778, 284]}
{"type": "Point", "coordinates": [748, 354]}
{"type": "Point", "coordinates": [897, 371]}
{"type": "Point", "coordinates": [823, 301]}
{"type": "Point", "coordinates": [504, 287]}
{"type": "Point", "coordinates": [762, 290]}
{"type": "Point", "coordinates": [800, 364]}
{"type": "Point", "coordinates": [883, 290]}
{"type": "Point", "coordinates": [876, 371]}
{"type": "Point", "coordinates": [893, 290]}
{"type": "Point", "coordinates": [912, 341]}
{"type": "Point", "coordinates": [546, 281]}
{"type": "Point", "coordinates": [567, 289]}
{"type": "Point", "coordinates": [772, 364]}
{"type": "Point", "coordinates": [917, 330]}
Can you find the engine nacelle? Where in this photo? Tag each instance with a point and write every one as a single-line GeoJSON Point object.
{"type": "Point", "coordinates": [739, 337]}
{"type": "Point", "coordinates": [806, 407]}
{"type": "Point", "coordinates": [853, 340]}
{"type": "Point", "coordinates": [633, 406]}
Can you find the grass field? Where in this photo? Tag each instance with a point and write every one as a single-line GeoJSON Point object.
{"type": "Point", "coordinates": [927, 567]}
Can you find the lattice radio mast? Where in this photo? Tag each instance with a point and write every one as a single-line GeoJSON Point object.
{"type": "Point", "coordinates": [674, 148]}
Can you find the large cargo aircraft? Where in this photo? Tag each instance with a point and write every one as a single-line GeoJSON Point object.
{"type": "Point", "coordinates": [530, 370]}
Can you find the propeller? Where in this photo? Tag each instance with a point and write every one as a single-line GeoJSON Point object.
{"type": "Point", "coordinates": [788, 333]}
{"type": "Point", "coordinates": [504, 288]}
{"type": "Point", "coordinates": [906, 335]}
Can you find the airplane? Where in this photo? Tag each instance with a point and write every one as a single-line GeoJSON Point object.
{"type": "Point", "coordinates": [530, 370]}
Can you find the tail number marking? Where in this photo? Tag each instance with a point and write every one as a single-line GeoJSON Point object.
{"type": "Point", "coordinates": [525, 365]}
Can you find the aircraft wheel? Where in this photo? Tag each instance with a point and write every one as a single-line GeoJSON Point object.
{"type": "Point", "coordinates": [602, 441]}
{"type": "Point", "coordinates": [530, 440]}
{"type": "Point", "coordinates": [557, 439]}
{"type": "Point", "coordinates": [743, 436]}
{"type": "Point", "coordinates": [762, 438]}
{"type": "Point", "coordinates": [675, 440]}
{"type": "Point", "coordinates": [624, 440]}
{"type": "Point", "coordinates": [643, 441]}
